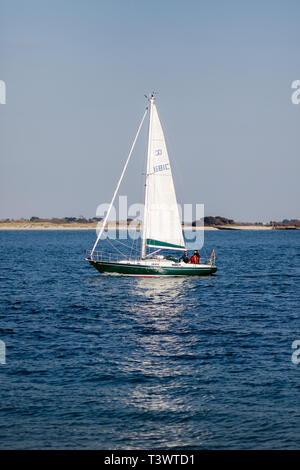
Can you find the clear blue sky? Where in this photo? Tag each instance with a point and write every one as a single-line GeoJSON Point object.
{"type": "Point", "coordinates": [76, 72]}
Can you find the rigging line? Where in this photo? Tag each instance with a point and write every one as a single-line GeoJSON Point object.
{"type": "Point", "coordinates": [152, 253]}
{"type": "Point", "coordinates": [122, 243]}
{"type": "Point", "coordinates": [132, 248]}
{"type": "Point", "coordinates": [119, 182]}
{"type": "Point", "coordinates": [133, 245]}
{"type": "Point", "coordinates": [114, 247]}
{"type": "Point", "coordinates": [138, 244]}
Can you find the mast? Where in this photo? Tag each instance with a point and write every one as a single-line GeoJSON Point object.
{"type": "Point", "coordinates": [143, 251]}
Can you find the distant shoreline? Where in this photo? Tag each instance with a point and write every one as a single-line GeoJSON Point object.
{"type": "Point", "coordinates": [93, 226]}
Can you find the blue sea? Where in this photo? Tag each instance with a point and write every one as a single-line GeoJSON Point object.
{"type": "Point", "coordinates": [113, 362]}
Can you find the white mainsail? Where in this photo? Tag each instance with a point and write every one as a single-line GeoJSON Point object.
{"type": "Point", "coordinates": [162, 226]}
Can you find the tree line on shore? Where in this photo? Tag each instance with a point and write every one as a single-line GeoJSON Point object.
{"type": "Point", "coordinates": [55, 220]}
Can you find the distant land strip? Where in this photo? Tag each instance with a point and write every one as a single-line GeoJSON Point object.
{"type": "Point", "coordinates": [82, 223]}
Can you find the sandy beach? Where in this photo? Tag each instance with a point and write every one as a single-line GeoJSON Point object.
{"type": "Point", "coordinates": [93, 226]}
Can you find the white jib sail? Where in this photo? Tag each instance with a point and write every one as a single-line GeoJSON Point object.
{"type": "Point", "coordinates": [162, 225]}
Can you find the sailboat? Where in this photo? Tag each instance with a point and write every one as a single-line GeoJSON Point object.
{"type": "Point", "coordinates": [162, 229]}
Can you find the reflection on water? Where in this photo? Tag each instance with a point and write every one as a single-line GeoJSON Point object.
{"type": "Point", "coordinates": [164, 285]}
{"type": "Point", "coordinates": [156, 398]}
{"type": "Point", "coordinates": [163, 353]}
{"type": "Point", "coordinates": [158, 301]}
{"type": "Point", "coordinates": [163, 295]}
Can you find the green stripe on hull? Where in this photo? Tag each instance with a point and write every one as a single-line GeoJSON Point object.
{"type": "Point", "coordinates": [151, 242]}
{"type": "Point", "coordinates": [137, 270]}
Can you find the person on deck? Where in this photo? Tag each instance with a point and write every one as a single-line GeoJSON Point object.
{"type": "Point", "coordinates": [195, 258]}
{"type": "Point", "coordinates": [184, 257]}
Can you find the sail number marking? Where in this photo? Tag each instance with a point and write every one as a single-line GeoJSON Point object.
{"type": "Point", "coordinates": [163, 167]}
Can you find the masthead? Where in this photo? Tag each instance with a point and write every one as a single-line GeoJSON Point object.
{"type": "Point", "coordinates": [151, 96]}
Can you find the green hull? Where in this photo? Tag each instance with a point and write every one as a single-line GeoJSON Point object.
{"type": "Point", "coordinates": [141, 270]}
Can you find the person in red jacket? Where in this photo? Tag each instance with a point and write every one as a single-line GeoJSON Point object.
{"type": "Point", "coordinates": [195, 258]}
